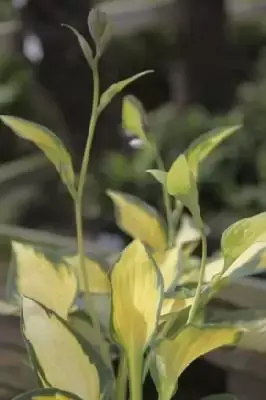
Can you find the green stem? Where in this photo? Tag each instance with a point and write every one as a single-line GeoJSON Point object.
{"type": "Point", "coordinates": [195, 305]}
{"type": "Point", "coordinates": [167, 203]}
{"type": "Point", "coordinates": [135, 363]}
{"type": "Point", "coordinates": [121, 381]}
{"type": "Point", "coordinates": [79, 196]}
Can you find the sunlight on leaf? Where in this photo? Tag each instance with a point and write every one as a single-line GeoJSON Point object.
{"type": "Point", "coordinates": [139, 220]}
{"type": "Point", "coordinates": [134, 118]}
{"type": "Point", "coordinates": [172, 357]}
{"type": "Point", "coordinates": [62, 362]}
{"type": "Point", "coordinates": [240, 236]}
{"type": "Point", "coordinates": [54, 286]}
{"type": "Point", "coordinates": [98, 281]}
{"type": "Point", "coordinates": [167, 263]}
{"type": "Point", "coordinates": [137, 292]}
{"type": "Point", "coordinates": [202, 147]}
{"type": "Point", "coordinates": [175, 304]}
{"type": "Point", "coordinates": [116, 88]}
{"type": "Point", "coordinates": [49, 143]}
{"type": "Point", "coordinates": [181, 184]}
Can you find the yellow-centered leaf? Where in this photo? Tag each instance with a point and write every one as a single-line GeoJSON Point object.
{"type": "Point", "coordinates": [139, 220]}
{"type": "Point", "coordinates": [54, 286]}
{"type": "Point", "coordinates": [62, 362]}
{"type": "Point", "coordinates": [137, 292]}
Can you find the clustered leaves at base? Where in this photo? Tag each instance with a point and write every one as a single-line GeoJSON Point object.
{"type": "Point", "coordinates": [148, 308]}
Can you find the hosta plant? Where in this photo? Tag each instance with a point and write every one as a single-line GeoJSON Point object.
{"type": "Point", "coordinates": [147, 307]}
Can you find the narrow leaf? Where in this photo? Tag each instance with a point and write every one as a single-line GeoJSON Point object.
{"type": "Point", "coordinates": [85, 47]}
{"type": "Point", "coordinates": [168, 263]}
{"type": "Point", "coordinates": [116, 88]}
{"type": "Point", "coordinates": [202, 147]}
{"type": "Point", "coordinates": [54, 286]}
{"type": "Point", "coordinates": [134, 120]}
{"type": "Point", "coordinates": [172, 357]}
{"type": "Point", "coordinates": [182, 184]}
{"type": "Point", "coordinates": [139, 220]}
{"type": "Point", "coordinates": [49, 143]}
{"type": "Point", "coordinates": [137, 292]}
{"type": "Point", "coordinates": [240, 236]}
{"type": "Point", "coordinates": [96, 272]}
{"type": "Point", "coordinates": [47, 394]}
{"type": "Point", "coordinates": [159, 175]}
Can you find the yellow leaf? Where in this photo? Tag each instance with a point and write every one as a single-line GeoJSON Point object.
{"type": "Point", "coordinates": [98, 281]}
{"type": "Point", "coordinates": [49, 143]}
{"type": "Point", "coordinates": [172, 357]}
{"type": "Point", "coordinates": [60, 357]}
{"type": "Point", "coordinates": [139, 220]}
{"type": "Point", "coordinates": [137, 292]}
{"type": "Point", "coordinates": [134, 118]}
{"type": "Point", "coordinates": [54, 286]}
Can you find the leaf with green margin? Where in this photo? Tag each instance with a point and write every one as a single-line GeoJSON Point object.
{"type": "Point", "coordinates": [139, 220]}
{"type": "Point", "coordinates": [159, 175]}
{"type": "Point", "coordinates": [49, 143]}
{"type": "Point", "coordinates": [116, 88]}
{"type": "Point", "coordinates": [78, 358]}
{"type": "Point", "coordinates": [85, 47]}
{"type": "Point", "coordinates": [225, 396]}
{"type": "Point", "coordinates": [137, 293]}
{"type": "Point", "coordinates": [202, 147]}
{"type": "Point", "coordinates": [134, 119]}
{"type": "Point", "coordinates": [252, 322]}
{"type": "Point", "coordinates": [240, 236]}
{"type": "Point", "coordinates": [172, 357]}
{"type": "Point", "coordinates": [81, 323]}
{"type": "Point", "coordinates": [47, 394]}
{"type": "Point", "coordinates": [181, 183]}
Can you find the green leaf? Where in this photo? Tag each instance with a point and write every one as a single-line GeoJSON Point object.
{"type": "Point", "coordinates": [100, 29]}
{"type": "Point", "coordinates": [225, 396]}
{"type": "Point", "coordinates": [60, 353]}
{"type": "Point", "coordinates": [85, 47]}
{"type": "Point", "coordinates": [202, 147]}
{"type": "Point", "coordinates": [139, 220]}
{"type": "Point", "coordinates": [49, 143]}
{"type": "Point", "coordinates": [116, 88]}
{"type": "Point", "coordinates": [172, 357]}
{"type": "Point", "coordinates": [240, 236]}
{"type": "Point", "coordinates": [182, 184]}
{"type": "Point", "coordinates": [47, 394]}
{"type": "Point", "coordinates": [159, 175]}
{"type": "Point", "coordinates": [134, 120]}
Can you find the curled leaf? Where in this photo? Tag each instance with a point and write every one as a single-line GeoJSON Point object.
{"type": "Point", "coordinates": [54, 286]}
{"type": "Point", "coordinates": [134, 119]}
{"type": "Point", "coordinates": [100, 29]}
{"type": "Point", "coordinates": [85, 47]}
{"type": "Point", "coordinates": [240, 236]}
{"type": "Point", "coordinates": [139, 220]}
{"type": "Point", "coordinates": [181, 183]}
